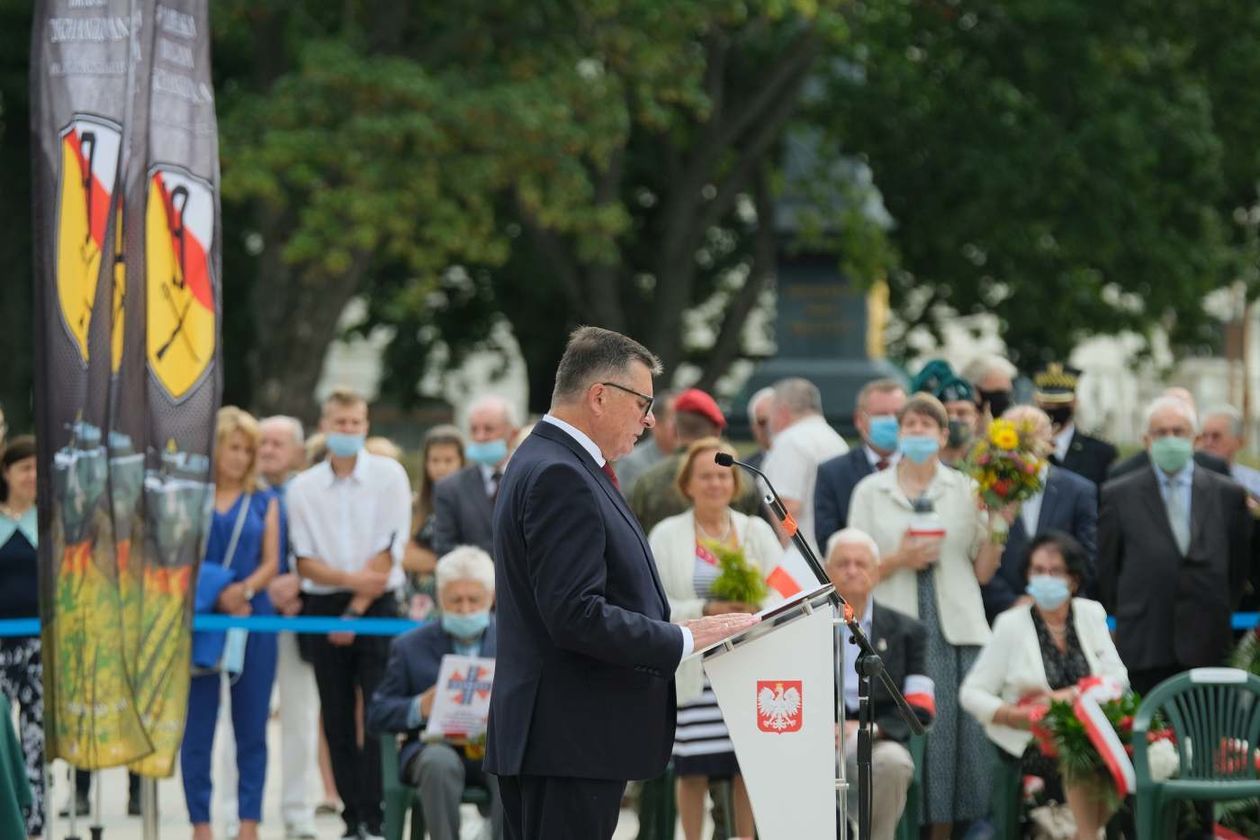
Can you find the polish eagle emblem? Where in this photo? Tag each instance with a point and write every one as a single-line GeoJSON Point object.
{"type": "Point", "coordinates": [779, 706]}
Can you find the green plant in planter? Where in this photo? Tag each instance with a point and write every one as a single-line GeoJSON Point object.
{"type": "Point", "coordinates": [739, 579]}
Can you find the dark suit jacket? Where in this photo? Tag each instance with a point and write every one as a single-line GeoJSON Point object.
{"type": "Point", "coordinates": [1142, 459]}
{"type": "Point", "coordinates": [901, 642]}
{"type": "Point", "coordinates": [584, 681]}
{"type": "Point", "coordinates": [1089, 457]}
{"type": "Point", "coordinates": [462, 512]}
{"type": "Point", "coordinates": [415, 658]}
{"type": "Point", "coordinates": [1070, 504]}
{"type": "Point", "coordinates": [836, 479]}
{"type": "Point", "coordinates": [1170, 610]}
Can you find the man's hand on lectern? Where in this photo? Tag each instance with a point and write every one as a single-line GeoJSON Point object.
{"type": "Point", "coordinates": [715, 628]}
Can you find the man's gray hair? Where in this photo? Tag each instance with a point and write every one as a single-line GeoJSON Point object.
{"type": "Point", "coordinates": [981, 366]}
{"type": "Point", "coordinates": [593, 355]}
{"type": "Point", "coordinates": [763, 393]}
{"type": "Point", "coordinates": [853, 536]}
{"type": "Point", "coordinates": [799, 396]}
{"type": "Point", "coordinates": [1169, 404]}
{"type": "Point", "coordinates": [465, 562]}
{"type": "Point", "coordinates": [1233, 415]}
{"type": "Point", "coordinates": [502, 403]}
{"type": "Point", "coordinates": [292, 425]}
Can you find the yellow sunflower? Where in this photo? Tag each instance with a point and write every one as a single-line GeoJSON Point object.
{"type": "Point", "coordinates": [1003, 435]}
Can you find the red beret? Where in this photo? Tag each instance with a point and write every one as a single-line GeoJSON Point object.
{"type": "Point", "coordinates": [698, 402]}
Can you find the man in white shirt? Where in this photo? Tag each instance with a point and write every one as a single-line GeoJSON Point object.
{"type": "Point", "coordinates": [349, 518]}
{"type": "Point", "coordinates": [800, 441]}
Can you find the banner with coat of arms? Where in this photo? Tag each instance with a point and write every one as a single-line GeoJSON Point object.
{"type": "Point", "coordinates": [127, 383]}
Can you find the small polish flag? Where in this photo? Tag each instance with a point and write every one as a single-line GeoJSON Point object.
{"type": "Point", "coordinates": [791, 575]}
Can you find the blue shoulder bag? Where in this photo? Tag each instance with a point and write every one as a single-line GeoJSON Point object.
{"type": "Point", "coordinates": [218, 650]}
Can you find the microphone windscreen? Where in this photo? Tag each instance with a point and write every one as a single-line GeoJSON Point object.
{"type": "Point", "coordinates": [723, 459]}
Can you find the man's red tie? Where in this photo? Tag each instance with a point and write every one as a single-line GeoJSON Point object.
{"type": "Point", "coordinates": [882, 464]}
{"type": "Point", "coordinates": [612, 476]}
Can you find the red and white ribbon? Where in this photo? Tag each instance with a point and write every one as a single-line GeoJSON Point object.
{"type": "Point", "coordinates": [1093, 692]}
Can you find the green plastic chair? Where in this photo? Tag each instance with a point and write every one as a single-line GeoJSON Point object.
{"type": "Point", "coordinates": [908, 826]}
{"type": "Point", "coordinates": [398, 797]}
{"type": "Point", "coordinates": [1206, 708]}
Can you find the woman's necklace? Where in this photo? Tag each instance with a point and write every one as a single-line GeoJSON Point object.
{"type": "Point", "coordinates": [704, 532]}
{"type": "Point", "coordinates": [9, 511]}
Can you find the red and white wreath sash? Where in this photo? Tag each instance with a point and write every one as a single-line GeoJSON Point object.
{"type": "Point", "coordinates": [1093, 692]}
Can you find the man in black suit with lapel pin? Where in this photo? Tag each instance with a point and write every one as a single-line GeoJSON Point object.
{"type": "Point", "coordinates": [875, 416]}
{"type": "Point", "coordinates": [584, 686]}
{"type": "Point", "coordinates": [1068, 503]}
{"type": "Point", "coordinates": [901, 642]}
{"type": "Point", "coordinates": [1055, 394]}
{"type": "Point", "coordinates": [1173, 554]}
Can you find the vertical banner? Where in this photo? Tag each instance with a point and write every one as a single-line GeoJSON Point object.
{"type": "Point", "coordinates": [176, 253]}
{"type": "Point", "coordinates": [777, 694]}
{"type": "Point", "coordinates": [128, 378]}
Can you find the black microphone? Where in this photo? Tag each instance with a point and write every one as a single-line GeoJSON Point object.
{"type": "Point", "coordinates": [771, 499]}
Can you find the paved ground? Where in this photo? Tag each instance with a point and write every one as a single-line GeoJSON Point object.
{"type": "Point", "coordinates": [173, 823]}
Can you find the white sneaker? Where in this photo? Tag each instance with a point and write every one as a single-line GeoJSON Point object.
{"type": "Point", "coordinates": [300, 831]}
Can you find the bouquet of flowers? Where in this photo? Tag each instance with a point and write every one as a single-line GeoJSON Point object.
{"type": "Point", "coordinates": [1006, 464]}
{"type": "Point", "coordinates": [739, 580]}
{"type": "Point", "coordinates": [1092, 738]}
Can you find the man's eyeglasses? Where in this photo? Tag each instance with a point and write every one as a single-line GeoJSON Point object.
{"type": "Point", "coordinates": [647, 401]}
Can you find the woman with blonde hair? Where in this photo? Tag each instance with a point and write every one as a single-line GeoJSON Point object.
{"type": "Point", "coordinates": [244, 543]}
{"type": "Point", "coordinates": [685, 549]}
{"type": "Point", "coordinates": [443, 455]}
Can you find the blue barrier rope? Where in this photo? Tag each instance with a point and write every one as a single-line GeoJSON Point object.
{"type": "Point", "coordinates": [367, 626]}
{"type": "Point", "coordinates": [260, 624]}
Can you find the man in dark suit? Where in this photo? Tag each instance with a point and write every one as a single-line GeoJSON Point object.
{"type": "Point", "coordinates": [404, 698]}
{"type": "Point", "coordinates": [901, 642]}
{"type": "Point", "coordinates": [1141, 460]}
{"type": "Point", "coordinates": [875, 416]}
{"type": "Point", "coordinates": [584, 686]}
{"type": "Point", "coordinates": [463, 503]}
{"type": "Point", "coordinates": [1173, 554]}
{"type": "Point", "coordinates": [1074, 450]}
{"type": "Point", "coordinates": [1068, 503]}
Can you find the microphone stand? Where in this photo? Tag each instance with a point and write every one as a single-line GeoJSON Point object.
{"type": "Point", "coordinates": [868, 665]}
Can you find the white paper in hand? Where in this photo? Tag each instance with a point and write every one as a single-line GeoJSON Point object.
{"type": "Point", "coordinates": [461, 703]}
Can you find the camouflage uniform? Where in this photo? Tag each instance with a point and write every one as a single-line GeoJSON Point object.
{"type": "Point", "coordinates": [655, 497]}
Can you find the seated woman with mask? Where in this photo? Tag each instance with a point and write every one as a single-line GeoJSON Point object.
{"type": "Point", "coordinates": [403, 700]}
{"type": "Point", "coordinates": [1038, 653]}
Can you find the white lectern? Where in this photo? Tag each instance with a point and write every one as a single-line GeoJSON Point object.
{"type": "Point", "coordinates": [776, 685]}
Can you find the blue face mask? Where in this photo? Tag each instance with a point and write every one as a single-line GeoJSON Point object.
{"type": "Point", "coordinates": [343, 445]}
{"type": "Point", "coordinates": [466, 625]}
{"type": "Point", "coordinates": [487, 453]}
{"type": "Point", "coordinates": [1048, 591]}
{"type": "Point", "coordinates": [919, 448]}
{"type": "Point", "coordinates": [883, 432]}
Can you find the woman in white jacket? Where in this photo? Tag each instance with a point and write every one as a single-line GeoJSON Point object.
{"type": "Point", "coordinates": [1038, 653]}
{"type": "Point", "coordinates": [702, 746]}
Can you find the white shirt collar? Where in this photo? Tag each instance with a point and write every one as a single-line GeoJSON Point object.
{"type": "Point", "coordinates": [580, 436]}
{"type": "Point", "coordinates": [1063, 440]}
{"type": "Point", "coordinates": [874, 457]}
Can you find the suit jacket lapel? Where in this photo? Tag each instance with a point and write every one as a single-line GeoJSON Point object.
{"type": "Point", "coordinates": [476, 487]}
{"type": "Point", "coordinates": [1049, 502]}
{"type": "Point", "coordinates": [552, 433]}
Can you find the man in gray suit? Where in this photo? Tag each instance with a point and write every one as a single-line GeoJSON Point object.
{"type": "Point", "coordinates": [1173, 553]}
{"type": "Point", "coordinates": [463, 503]}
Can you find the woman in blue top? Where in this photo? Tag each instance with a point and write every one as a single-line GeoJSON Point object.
{"type": "Point", "coordinates": [21, 671]}
{"type": "Point", "coordinates": [254, 561]}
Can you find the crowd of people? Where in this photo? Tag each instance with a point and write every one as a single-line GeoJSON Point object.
{"type": "Point", "coordinates": [974, 615]}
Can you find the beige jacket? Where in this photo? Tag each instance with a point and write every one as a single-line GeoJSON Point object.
{"type": "Point", "coordinates": [881, 509]}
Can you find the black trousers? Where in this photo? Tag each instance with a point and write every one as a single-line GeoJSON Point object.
{"type": "Point", "coordinates": [555, 808]}
{"type": "Point", "coordinates": [341, 673]}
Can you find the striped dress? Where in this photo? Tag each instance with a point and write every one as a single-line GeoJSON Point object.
{"type": "Point", "coordinates": [702, 744]}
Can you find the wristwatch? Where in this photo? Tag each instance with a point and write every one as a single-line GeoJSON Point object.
{"type": "Point", "coordinates": [351, 613]}
{"type": "Point", "coordinates": [249, 592]}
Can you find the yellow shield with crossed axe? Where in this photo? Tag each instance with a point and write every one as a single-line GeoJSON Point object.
{"type": "Point", "coordinates": [179, 234]}
{"type": "Point", "coordinates": [88, 178]}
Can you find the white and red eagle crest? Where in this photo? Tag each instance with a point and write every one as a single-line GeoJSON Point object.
{"type": "Point", "coordinates": [779, 705]}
